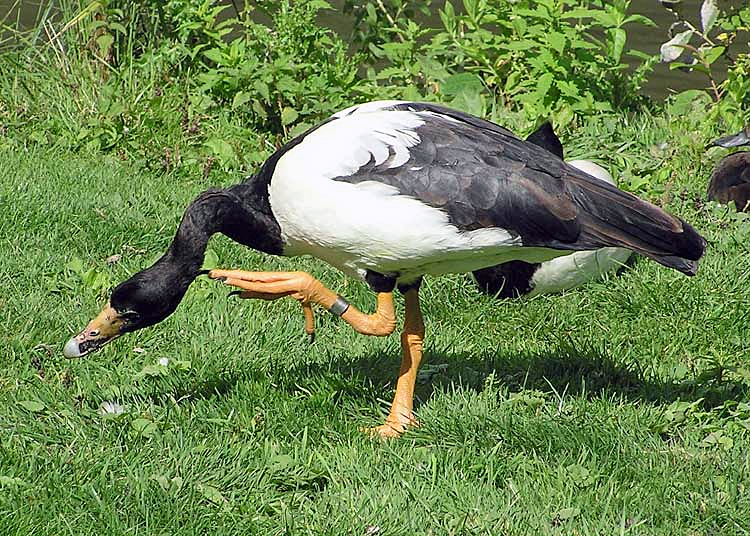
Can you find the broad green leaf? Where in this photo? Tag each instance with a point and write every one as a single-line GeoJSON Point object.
{"type": "Point", "coordinates": [33, 406]}
{"type": "Point", "coordinates": [608, 20]}
{"type": "Point", "coordinates": [144, 427]}
{"type": "Point", "coordinates": [116, 26]}
{"type": "Point", "coordinates": [519, 25]}
{"type": "Point", "coordinates": [543, 85]}
{"type": "Point", "coordinates": [75, 265]}
{"type": "Point", "coordinates": [151, 371]}
{"type": "Point", "coordinates": [262, 88]}
{"type": "Point", "coordinates": [567, 513]}
{"type": "Point", "coordinates": [447, 16]}
{"type": "Point", "coordinates": [569, 89]}
{"type": "Point", "coordinates": [104, 42]}
{"type": "Point", "coordinates": [712, 54]}
{"type": "Point", "coordinates": [240, 99]}
{"type": "Point", "coordinates": [215, 55]}
{"type": "Point", "coordinates": [211, 493]}
{"type": "Point", "coordinates": [471, 8]}
{"type": "Point", "coordinates": [564, 116]}
{"type": "Point", "coordinates": [617, 37]}
{"type": "Point", "coordinates": [162, 480]}
{"type": "Point", "coordinates": [299, 128]}
{"type": "Point", "coordinates": [460, 83]}
{"type": "Point", "coordinates": [709, 13]}
{"type": "Point", "coordinates": [259, 109]}
{"type": "Point", "coordinates": [210, 260]}
{"type": "Point", "coordinates": [579, 475]}
{"type": "Point", "coordinates": [512, 81]}
{"type": "Point", "coordinates": [221, 149]}
{"type": "Point", "coordinates": [317, 5]}
{"type": "Point", "coordinates": [288, 115]}
{"type": "Point", "coordinates": [168, 484]}
{"type": "Point", "coordinates": [579, 13]}
{"type": "Point", "coordinates": [557, 41]}
{"type": "Point", "coordinates": [672, 49]}
{"type": "Point", "coordinates": [469, 102]}
{"type": "Point", "coordinates": [683, 102]}
{"type": "Point", "coordinates": [639, 19]}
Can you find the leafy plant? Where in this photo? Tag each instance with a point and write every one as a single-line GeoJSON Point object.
{"type": "Point", "coordinates": [547, 57]}
{"type": "Point", "coordinates": [284, 75]}
{"type": "Point", "coordinates": [76, 274]}
{"type": "Point", "coordinates": [196, 87]}
{"type": "Point", "coordinates": [703, 46]}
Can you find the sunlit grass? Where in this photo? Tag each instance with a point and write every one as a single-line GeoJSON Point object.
{"type": "Point", "coordinates": [619, 408]}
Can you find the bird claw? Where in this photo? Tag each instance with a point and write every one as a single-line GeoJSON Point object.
{"type": "Point", "coordinates": [271, 286]}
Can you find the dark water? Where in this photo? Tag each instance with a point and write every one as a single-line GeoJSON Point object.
{"type": "Point", "coordinates": [662, 82]}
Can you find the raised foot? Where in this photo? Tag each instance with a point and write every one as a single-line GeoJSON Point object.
{"type": "Point", "coordinates": [307, 290]}
{"type": "Point", "coordinates": [272, 286]}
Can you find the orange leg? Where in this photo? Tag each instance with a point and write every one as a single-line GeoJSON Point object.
{"type": "Point", "coordinates": [307, 290]}
{"type": "Point", "coordinates": [401, 415]}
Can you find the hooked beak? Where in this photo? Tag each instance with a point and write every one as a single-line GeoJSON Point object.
{"type": "Point", "coordinates": [106, 327]}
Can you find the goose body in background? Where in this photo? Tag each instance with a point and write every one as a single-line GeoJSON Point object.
{"type": "Point", "coordinates": [389, 192]}
{"type": "Point", "coordinates": [730, 180]}
{"type": "Point", "coordinates": [518, 278]}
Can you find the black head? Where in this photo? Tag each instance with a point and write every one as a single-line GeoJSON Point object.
{"type": "Point", "coordinates": [147, 298]}
{"type": "Point", "coordinates": [143, 300]}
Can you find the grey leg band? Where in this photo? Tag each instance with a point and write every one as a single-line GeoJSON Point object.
{"type": "Point", "coordinates": [339, 307]}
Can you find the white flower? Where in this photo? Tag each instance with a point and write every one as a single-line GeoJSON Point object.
{"type": "Point", "coordinates": [111, 409]}
{"type": "Point", "coordinates": [164, 361]}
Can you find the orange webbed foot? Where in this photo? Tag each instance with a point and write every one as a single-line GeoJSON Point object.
{"type": "Point", "coordinates": [307, 290]}
{"type": "Point", "coordinates": [272, 286]}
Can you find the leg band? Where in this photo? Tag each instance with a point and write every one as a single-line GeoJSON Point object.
{"type": "Point", "coordinates": [339, 307]}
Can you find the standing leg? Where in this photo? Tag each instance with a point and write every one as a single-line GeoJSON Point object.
{"type": "Point", "coordinates": [401, 415]}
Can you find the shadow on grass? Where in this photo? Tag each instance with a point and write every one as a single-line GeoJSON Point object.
{"type": "Point", "coordinates": [564, 369]}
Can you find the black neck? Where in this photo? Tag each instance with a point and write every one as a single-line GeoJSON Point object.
{"type": "Point", "coordinates": [238, 212]}
{"type": "Point", "coordinates": [196, 228]}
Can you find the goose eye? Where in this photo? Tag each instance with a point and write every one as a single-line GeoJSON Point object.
{"type": "Point", "coordinates": [93, 333]}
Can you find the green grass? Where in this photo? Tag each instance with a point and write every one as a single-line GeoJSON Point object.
{"type": "Point", "coordinates": [621, 408]}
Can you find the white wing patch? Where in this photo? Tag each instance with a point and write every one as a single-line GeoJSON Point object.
{"type": "Point", "coordinates": [368, 107]}
{"type": "Point", "coordinates": [341, 147]}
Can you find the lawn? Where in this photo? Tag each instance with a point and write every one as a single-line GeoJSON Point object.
{"type": "Point", "coordinates": [621, 408]}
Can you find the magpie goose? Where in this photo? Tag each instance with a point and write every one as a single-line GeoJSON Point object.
{"type": "Point", "coordinates": [730, 180]}
{"type": "Point", "coordinates": [517, 278]}
{"type": "Point", "coordinates": [389, 192]}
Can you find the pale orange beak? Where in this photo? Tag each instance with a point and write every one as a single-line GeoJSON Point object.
{"type": "Point", "coordinates": [106, 327]}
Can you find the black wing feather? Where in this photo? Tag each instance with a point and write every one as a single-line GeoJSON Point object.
{"type": "Point", "coordinates": [482, 175]}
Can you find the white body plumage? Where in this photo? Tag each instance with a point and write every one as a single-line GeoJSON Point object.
{"type": "Point", "coordinates": [369, 225]}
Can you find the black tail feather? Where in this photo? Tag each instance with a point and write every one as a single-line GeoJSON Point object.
{"type": "Point", "coordinates": [611, 217]}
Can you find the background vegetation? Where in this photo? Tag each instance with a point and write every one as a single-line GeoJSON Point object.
{"type": "Point", "coordinates": [619, 408]}
{"type": "Point", "coordinates": [185, 86]}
